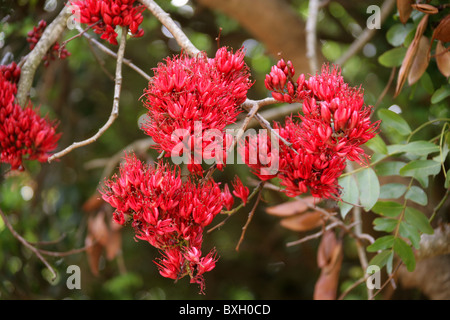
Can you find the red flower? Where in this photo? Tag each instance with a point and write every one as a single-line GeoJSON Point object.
{"type": "Point", "coordinates": [191, 100]}
{"type": "Point", "coordinates": [107, 14]}
{"type": "Point", "coordinates": [334, 124]}
{"type": "Point", "coordinates": [54, 51]}
{"type": "Point", "coordinates": [24, 134]}
{"type": "Point", "coordinates": [227, 198]}
{"type": "Point", "coordinates": [240, 190]}
{"type": "Point", "coordinates": [169, 213]}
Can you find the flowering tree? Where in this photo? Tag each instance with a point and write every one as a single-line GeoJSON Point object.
{"type": "Point", "coordinates": [324, 155]}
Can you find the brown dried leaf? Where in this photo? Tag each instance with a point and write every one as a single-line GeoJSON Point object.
{"type": "Point", "coordinates": [443, 59]}
{"type": "Point", "coordinates": [425, 8]}
{"type": "Point", "coordinates": [93, 203]}
{"type": "Point", "coordinates": [114, 245]}
{"type": "Point", "coordinates": [94, 252]}
{"type": "Point", "coordinates": [303, 222]}
{"type": "Point", "coordinates": [420, 62]}
{"type": "Point", "coordinates": [98, 229]}
{"type": "Point", "coordinates": [442, 31]}
{"type": "Point", "coordinates": [410, 54]}
{"type": "Point", "coordinates": [404, 10]}
{"type": "Point", "coordinates": [326, 247]}
{"type": "Point", "coordinates": [290, 208]}
{"type": "Point", "coordinates": [329, 258]}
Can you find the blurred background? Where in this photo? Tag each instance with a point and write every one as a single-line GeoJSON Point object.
{"type": "Point", "coordinates": [58, 201]}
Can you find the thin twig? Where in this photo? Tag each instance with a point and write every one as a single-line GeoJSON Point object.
{"type": "Point", "coordinates": [250, 216]}
{"type": "Point", "coordinates": [312, 236]}
{"type": "Point", "coordinates": [391, 276]}
{"type": "Point", "coordinates": [66, 253]}
{"type": "Point", "coordinates": [63, 45]}
{"type": "Point", "coordinates": [114, 55]}
{"type": "Point", "coordinates": [353, 286]}
{"type": "Point", "coordinates": [115, 108]}
{"type": "Point", "coordinates": [100, 62]}
{"type": "Point", "coordinates": [27, 244]}
{"type": "Point", "coordinates": [386, 88]}
{"type": "Point", "coordinates": [173, 28]}
{"type": "Point", "coordinates": [311, 35]}
{"type": "Point", "coordinates": [34, 58]}
{"type": "Point", "coordinates": [233, 211]}
{"type": "Point", "coordinates": [366, 35]}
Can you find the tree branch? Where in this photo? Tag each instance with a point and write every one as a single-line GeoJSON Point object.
{"type": "Point", "coordinates": [34, 58]}
{"type": "Point", "coordinates": [115, 107]}
{"type": "Point", "coordinates": [311, 36]}
{"type": "Point", "coordinates": [177, 33]}
{"type": "Point", "coordinates": [114, 55]}
{"type": "Point", "coordinates": [366, 35]}
{"type": "Point", "coordinates": [27, 244]}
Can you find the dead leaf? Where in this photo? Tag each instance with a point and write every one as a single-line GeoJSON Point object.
{"type": "Point", "coordinates": [404, 10]}
{"type": "Point", "coordinates": [114, 245]}
{"type": "Point", "coordinates": [425, 8]}
{"type": "Point", "coordinates": [442, 31]}
{"type": "Point", "coordinates": [410, 55]}
{"type": "Point", "coordinates": [326, 247]}
{"type": "Point", "coordinates": [443, 59]}
{"type": "Point", "coordinates": [329, 259]}
{"type": "Point", "coordinates": [93, 203]}
{"type": "Point", "coordinates": [420, 62]}
{"type": "Point", "coordinates": [290, 208]}
{"type": "Point", "coordinates": [97, 228]}
{"type": "Point", "coordinates": [94, 252]}
{"type": "Point", "coordinates": [303, 222]}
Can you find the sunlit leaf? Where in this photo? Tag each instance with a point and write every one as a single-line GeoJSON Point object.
{"type": "Point", "coordinates": [369, 188]}
{"type": "Point", "coordinates": [388, 208]}
{"type": "Point", "coordinates": [382, 243]}
{"type": "Point", "coordinates": [395, 121]}
{"type": "Point", "coordinates": [417, 195]}
{"type": "Point", "coordinates": [418, 219]}
{"type": "Point", "coordinates": [350, 194]}
{"type": "Point", "coordinates": [405, 253]}
{"type": "Point", "coordinates": [392, 190]}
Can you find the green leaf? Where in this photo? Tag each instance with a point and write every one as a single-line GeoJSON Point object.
{"type": "Point", "coordinates": [393, 57]}
{"type": "Point", "coordinates": [397, 33]}
{"type": "Point", "coordinates": [392, 190]}
{"type": "Point", "coordinates": [388, 208]}
{"type": "Point", "coordinates": [395, 121]}
{"type": "Point", "coordinates": [420, 170]}
{"type": "Point", "coordinates": [389, 168]}
{"type": "Point", "coordinates": [377, 145]}
{"type": "Point", "coordinates": [381, 259]}
{"type": "Point", "coordinates": [405, 253]}
{"type": "Point", "coordinates": [427, 83]}
{"type": "Point", "coordinates": [408, 231]}
{"type": "Point", "coordinates": [440, 94]}
{"type": "Point", "coordinates": [418, 220]}
{"type": "Point", "coordinates": [369, 188]}
{"type": "Point", "coordinates": [419, 148]}
{"type": "Point", "coordinates": [381, 243]}
{"type": "Point", "coordinates": [385, 224]}
{"type": "Point", "coordinates": [417, 195]}
{"type": "Point", "coordinates": [349, 194]}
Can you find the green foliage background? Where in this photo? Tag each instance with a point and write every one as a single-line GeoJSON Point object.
{"type": "Point", "coordinates": [78, 93]}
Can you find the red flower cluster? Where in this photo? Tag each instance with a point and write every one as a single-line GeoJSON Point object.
{"type": "Point", "coordinates": [54, 52]}
{"type": "Point", "coordinates": [107, 14]}
{"type": "Point", "coordinates": [23, 133]}
{"type": "Point", "coordinates": [190, 98]}
{"type": "Point", "coordinates": [169, 213]}
{"type": "Point", "coordinates": [334, 124]}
